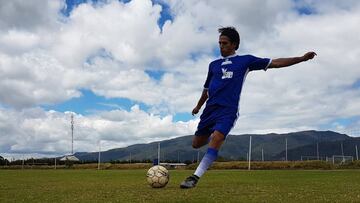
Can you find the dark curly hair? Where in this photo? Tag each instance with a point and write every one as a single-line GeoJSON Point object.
{"type": "Point", "coordinates": [232, 34]}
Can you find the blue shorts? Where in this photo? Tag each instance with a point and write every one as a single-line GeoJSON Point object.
{"type": "Point", "coordinates": [216, 117]}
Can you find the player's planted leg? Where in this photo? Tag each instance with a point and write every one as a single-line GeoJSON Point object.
{"type": "Point", "coordinates": [206, 161]}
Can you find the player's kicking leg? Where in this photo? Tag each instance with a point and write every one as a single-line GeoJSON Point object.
{"type": "Point", "coordinates": [207, 160]}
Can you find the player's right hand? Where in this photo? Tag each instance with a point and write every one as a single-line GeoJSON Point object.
{"type": "Point", "coordinates": [309, 55]}
{"type": "Point", "coordinates": [195, 111]}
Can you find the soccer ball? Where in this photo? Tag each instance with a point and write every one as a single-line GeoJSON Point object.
{"type": "Point", "coordinates": [157, 176]}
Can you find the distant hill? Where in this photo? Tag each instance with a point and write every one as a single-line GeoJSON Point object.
{"type": "Point", "coordinates": [326, 149]}
{"type": "Point", "coordinates": [236, 147]}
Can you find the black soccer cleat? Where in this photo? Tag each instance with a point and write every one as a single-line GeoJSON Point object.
{"type": "Point", "coordinates": [189, 182]}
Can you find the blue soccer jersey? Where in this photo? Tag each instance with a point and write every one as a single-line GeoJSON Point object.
{"type": "Point", "coordinates": [227, 75]}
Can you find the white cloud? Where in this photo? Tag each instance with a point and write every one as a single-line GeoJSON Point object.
{"type": "Point", "coordinates": [15, 40]}
{"type": "Point", "coordinates": [129, 31]}
{"type": "Point", "coordinates": [35, 131]}
{"type": "Point", "coordinates": [34, 78]}
{"type": "Point", "coordinates": [106, 48]}
{"type": "Point", "coordinates": [29, 15]}
{"type": "Point", "coordinates": [319, 89]}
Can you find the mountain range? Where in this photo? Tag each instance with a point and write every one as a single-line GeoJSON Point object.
{"type": "Point", "coordinates": [293, 146]}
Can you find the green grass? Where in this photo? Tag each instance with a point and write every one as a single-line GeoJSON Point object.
{"type": "Point", "coordinates": [216, 186]}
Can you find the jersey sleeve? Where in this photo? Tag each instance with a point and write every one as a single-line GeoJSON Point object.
{"type": "Point", "coordinates": [257, 63]}
{"type": "Point", "coordinates": [208, 78]}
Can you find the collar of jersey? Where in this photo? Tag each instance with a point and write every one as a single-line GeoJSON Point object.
{"type": "Point", "coordinates": [230, 56]}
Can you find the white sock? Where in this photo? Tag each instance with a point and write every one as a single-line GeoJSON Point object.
{"type": "Point", "coordinates": [206, 161]}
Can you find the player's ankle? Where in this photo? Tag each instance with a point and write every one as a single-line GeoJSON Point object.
{"type": "Point", "coordinates": [196, 177]}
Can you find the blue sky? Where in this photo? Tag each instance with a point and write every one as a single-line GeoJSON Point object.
{"type": "Point", "coordinates": [89, 103]}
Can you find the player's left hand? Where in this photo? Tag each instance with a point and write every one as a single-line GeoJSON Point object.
{"type": "Point", "coordinates": [195, 111]}
{"type": "Point", "coordinates": [309, 55]}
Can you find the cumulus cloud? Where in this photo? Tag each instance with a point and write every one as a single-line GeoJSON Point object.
{"type": "Point", "coordinates": [47, 58]}
{"type": "Point", "coordinates": [320, 89]}
{"type": "Point", "coordinates": [49, 132]}
{"type": "Point", "coordinates": [105, 48]}
{"type": "Point", "coordinates": [34, 78]}
{"type": "Point", "coordinates": [29, 15]}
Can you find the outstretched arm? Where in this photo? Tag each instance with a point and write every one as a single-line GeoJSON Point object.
{"type": "Point", "coordinates": [284, 62]}
{"type": "Point", "coordinates": [202, 100]}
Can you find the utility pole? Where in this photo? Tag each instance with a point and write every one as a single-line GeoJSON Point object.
{"type": "Point", "coordinates": [317, 150]}
{"type": "Point", "coordinates": [342, 152]}
{"type": "Point", "coordinates": [286, 157]}
{"type": "Point", "coordinates": [130, 158]}
{"type": "Point", "coordinates": [23, 162]}
{"type": "Point", "coordinates": [159, 153]}
{"type": "Point", "coordinates": [72, 134]}
{"type": "Point", "coordinates": [262, 154]}
{"type": "Point", "coordinates": [99, 155]}
{"type": "Point", "coordinates": [357, 152]}
{"type": "Point", "coordinates": [249, 167]}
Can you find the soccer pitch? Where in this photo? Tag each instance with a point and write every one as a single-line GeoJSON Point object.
{"type": "Point", "coordinates": [215, 186]}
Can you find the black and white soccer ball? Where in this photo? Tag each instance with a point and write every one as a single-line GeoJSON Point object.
{"type": "Point", "coordinates": [157, 176]}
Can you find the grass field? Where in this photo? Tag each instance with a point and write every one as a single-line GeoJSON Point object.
{"type": "Point", "coordinates": [215, 186]}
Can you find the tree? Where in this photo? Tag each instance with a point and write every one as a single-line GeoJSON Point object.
{"type": "Point", "coordinates": [3, 161]}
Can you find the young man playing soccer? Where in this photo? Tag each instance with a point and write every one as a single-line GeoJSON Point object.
{"type": "Point", "coordinates": [221, 93]}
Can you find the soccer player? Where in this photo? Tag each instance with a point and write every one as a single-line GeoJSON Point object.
{"type": "Point", "coordinates": [221, 93]}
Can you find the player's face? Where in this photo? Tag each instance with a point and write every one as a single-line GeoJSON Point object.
{"type": "Point", "coordinates": [226, 47]}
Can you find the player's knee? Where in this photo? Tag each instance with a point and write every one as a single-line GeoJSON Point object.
{"type": "Point", "coordinates": [199, 141]}
{"type": "Point", "coordinates": [195, 145]}
{"type": "Point", "coordinates": [217, 140]}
